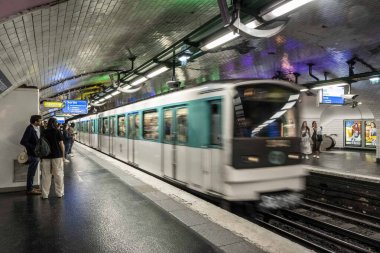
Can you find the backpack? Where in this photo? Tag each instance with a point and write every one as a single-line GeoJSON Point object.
{"type": "Point", "coordinates": [42, 148]}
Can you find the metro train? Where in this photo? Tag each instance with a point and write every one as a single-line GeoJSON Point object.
{"type": "Point", "coordinates": [235, 140]}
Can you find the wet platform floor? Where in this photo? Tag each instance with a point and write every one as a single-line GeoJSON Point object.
{"type": "Point", "coordinates": [99, 213]}
{"type": "Point", "coordinates": [350, 162]}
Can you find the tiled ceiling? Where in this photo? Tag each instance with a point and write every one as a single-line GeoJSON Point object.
{"type": "Point", "coordinates": [66, 38]}
{"type": "Point", "coordinates": [54, 40]}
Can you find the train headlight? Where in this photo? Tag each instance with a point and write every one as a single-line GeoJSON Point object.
{"type": "Point", "coordinates": [251, 159]}
{"type": "Point", "coordinates": [294, 156]}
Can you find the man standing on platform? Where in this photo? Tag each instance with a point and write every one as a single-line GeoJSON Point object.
{"type": "Point", "coordinates": [29, 141]}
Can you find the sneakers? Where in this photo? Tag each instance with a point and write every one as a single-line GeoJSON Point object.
{"type": "Point", "coordinates": [314, 156]}
{"type": "Point", "coordinates": [317, 156]}
{"type": "Point", "coordinates": [33, 192]}
{"type": "Point", "coordinates": [71, 155]}
{"type": "Point", "coordinates": [307, 157]}
{"type": "Point", "coordinates": [67, 161]}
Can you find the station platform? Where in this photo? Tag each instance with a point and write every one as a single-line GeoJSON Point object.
{"type": "Point", "coordinates": [350, 164]}
{"type": "Point", "coordinates": [109, 206]}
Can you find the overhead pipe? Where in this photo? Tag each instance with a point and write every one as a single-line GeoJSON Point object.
{"type": "Point", "coordinates": [296, 75]}
{"type": "Point", "coordinates": [311, 71]}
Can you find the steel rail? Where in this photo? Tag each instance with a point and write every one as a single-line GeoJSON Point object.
{"type": "Point", "coordinates": [333, 240]}
{"type": "Point", "coordinates": [355, 214]}
{"type": "Point", "coordinates": [294, 237]}
{"type": "Point", "coordinates": [342, 216]}
{"type": "Point", "coordinates": [324, 225]}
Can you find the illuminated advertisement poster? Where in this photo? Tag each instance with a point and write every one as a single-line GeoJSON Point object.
{"type": "Point", "coordinates": [370, 133]}
{"type": "Point", "coordinates": [353, 133]}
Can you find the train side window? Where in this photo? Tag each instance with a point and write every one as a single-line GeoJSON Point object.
{"type": "Point", "coordinates": [100, 126]}
{"type": "Point", "coordinates": [215, 127]}
{"type": "Point", "coordinates": [121, 125]}
{"type": "Point", "coordinates": [85, 126]}
{"type": "Point", "coordinates": [105, 126]}
{"type": "Point", "coordinates": [168, 117]}
{"type": "Point", "coordinates": [137, 126]}
{"type": "Point", "coordinates": [150, 127]}
{"type": "Point", "coordinates": [90, 128]}
{"type": "Point", "coordinates": [181, 128]}
{"type": "Point", "coordinates": [112, 125]}
{"type": "Point", "coordinates": [130, 126]}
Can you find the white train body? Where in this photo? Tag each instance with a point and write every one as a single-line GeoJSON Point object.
{"type": "Point", "coordinates": [190, 137]}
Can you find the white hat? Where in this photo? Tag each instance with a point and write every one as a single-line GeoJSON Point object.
{"type": "Point", "coordinates": [22, 157]}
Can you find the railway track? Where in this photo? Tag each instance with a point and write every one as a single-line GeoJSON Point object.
{"type": "Point", "coordinates": [325, 228]}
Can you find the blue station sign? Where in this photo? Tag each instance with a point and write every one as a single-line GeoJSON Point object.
{"type": "Point", "coordinates": [75, 107]}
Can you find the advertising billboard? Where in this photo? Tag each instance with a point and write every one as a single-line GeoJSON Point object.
{"type": "Point", "coordinates": [370, 133]}
{"type": "Point", "coordinates": [353, 133]}
{"type": "Point", "coordinates": [75, 107]}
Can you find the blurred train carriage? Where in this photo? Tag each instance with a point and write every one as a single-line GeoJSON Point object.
{"type": "Point", "coordinates": [235, 140]}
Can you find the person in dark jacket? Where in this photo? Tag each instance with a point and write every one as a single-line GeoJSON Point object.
{"type": "Point", "coordinates": [29, 141]}
{"type": "Point", "coordinates": [52, 165]}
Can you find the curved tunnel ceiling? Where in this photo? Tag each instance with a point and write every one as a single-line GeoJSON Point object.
{"type": "Point", "coordinates": [53, 42]}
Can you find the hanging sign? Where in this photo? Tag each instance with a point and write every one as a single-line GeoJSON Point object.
{"type": "Point", "coordinates": [75, 107]}
{"type": "Point", "coordinates": [53, 104]}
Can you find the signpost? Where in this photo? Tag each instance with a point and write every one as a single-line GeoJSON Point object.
{"type": "Point", "coordinates": [75, 107]}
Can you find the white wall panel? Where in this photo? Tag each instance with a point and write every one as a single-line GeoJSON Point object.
{"type": "Point", "coordinates": [15, 111]}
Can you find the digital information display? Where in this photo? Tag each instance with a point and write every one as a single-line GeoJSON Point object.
{"type": "Point", "coordinates": [370, 133]}
{"type": "Point", "coordinates": [332, 95]}
{"type": "Point", "coordinates": [60, 120]}
{"type": "Point", "coordinates": [75, 107]}
{"type": "Point", "coordinates": [353, 133]}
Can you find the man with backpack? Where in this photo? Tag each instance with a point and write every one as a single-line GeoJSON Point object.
{"type": "Point", "coordinates": [29, 141]}
{"type": "Point", "coordinates": [52, 163]}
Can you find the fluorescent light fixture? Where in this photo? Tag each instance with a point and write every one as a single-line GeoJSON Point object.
{"type": "Point", "coordinates": [156, 72]}
{"type": "Point", "coordinates": [374, 80]}
{"type": "Point", "coordinates": [293, 97]}
{"type": "Point", "coordinates": [184, 58]}
{"type": "Point", "coordinates": [278, 114]}
{"type": "Point", "coordinates": [138, 81]}
{"type": "Point", "coordinates": [115, 93]}
{"type": "Point", "coordinates": [303, 90]}
{"type": "Point", "coordinates": [253, 24]}
{"type": "Point", "coordinates": [269, 121]}
{"type": "Point", "coordinates": [284, 8]}
{"type": "Point", "coordinates": [288, 105]}
{"type": "Point", "coordinates": [329, 85]}
{"type": "Point", "coordinates": [219, 41]}
{"type": "Point", "coordinates": [108, 97]}
{"type": "Point", "coordinates": [101, 100]}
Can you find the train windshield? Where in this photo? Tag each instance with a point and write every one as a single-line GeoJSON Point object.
{"type": "Point", "coordinates": [265, 110]}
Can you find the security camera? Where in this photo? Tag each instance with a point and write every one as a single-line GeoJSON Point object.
{"type": "Point", "coordinates": [350, 96]}
{"type": "Point", "coordinates": [173, 84]}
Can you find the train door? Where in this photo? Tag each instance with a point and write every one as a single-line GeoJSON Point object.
{"type": "Point", "coordinates": [175, 140]}
{"type": "Point", "coordinates": [132, 135]}
{"type": "Point", "coordinates": [100, 131]}
{"type": "Point", "coordinates": [112, 135]}
{"type": "Point", "coordinates": [212, 156]}
{"type": "Point", "coordinates": [90, 132]}
{"type": "Point", "coordinates": [88, 125]}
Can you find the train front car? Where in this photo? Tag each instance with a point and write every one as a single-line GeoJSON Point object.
{"type": "Point", "coordinates": [264, 163]}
